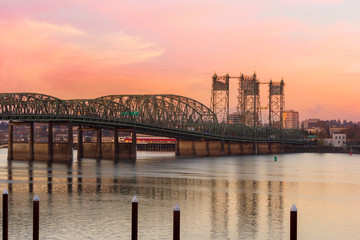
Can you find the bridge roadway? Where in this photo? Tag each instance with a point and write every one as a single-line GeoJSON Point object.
{"type": "Point", "coordinates": [173, 116]}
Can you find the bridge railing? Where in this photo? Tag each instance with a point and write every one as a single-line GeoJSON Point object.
{"type": "Point", "coordinates": [161, 111]}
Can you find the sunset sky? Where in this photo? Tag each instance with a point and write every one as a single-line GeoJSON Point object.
{"type": "Point", "coordinates": [85, 49]}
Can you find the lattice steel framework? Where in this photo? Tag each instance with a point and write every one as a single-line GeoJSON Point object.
{"type": "Point", "coordinates": [163, 115]}
{"type": "Point", "coordinates": [249, 100]}
{"type": "Point", "coordinates": [220, 97]}
{"type": "Point", "coordinates": [171, 111]}
{"type": "Point", "coordinates": [276, 104]}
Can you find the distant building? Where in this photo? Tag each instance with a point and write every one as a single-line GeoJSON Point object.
{"type": "Point", "coordinates": [313, 130]}
{"type": "Point", "coordinates": [291, 119]}
{"type": "Point", "coordinates": [310, 123]}
{"type": "Point", "coordinates": [334, 130]}
{"type": "Point", "coordinates": [235, 118]}
{"type": "Point", "coordinates": [337, 140]}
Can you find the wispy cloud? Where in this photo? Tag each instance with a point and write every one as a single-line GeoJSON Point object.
{"type": "Point", "coordinates": [32, 50]}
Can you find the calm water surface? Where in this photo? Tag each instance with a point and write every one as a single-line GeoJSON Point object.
{"type": "Point", "coordinates": [243, 197]}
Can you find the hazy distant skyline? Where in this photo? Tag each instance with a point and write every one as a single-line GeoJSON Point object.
{"type": "Point", "coordinates": [86, 49]}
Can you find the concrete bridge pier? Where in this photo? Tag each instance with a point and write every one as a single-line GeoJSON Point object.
{"type": "Point", "coordinates": [30, 150]}
{"type": "Point", "coordinates": [62, 151]}
{"type": "Point", "coordinates": [106, 150]}
{"type": "Point", "coordinates": [125, 150]}
{"type": "Point", "coordinates": [56, 150]}
{"type": "Point", "coordinates": [200, 148]}
{"type": "Point", "coordinates": [88, 148]}
{"type": "Point", "coordinates": [21, 150]}
{"type": "Point", "coordinates": [264, 148]}
{"type": "Point", "coordinates": [249, 148]}
{"type": "Point", "coordinates": [276, 148]}
{"type": "Point", "coordinates": [10, 141]}
{"type": "Point", "coordinates": [235, 148]}
{"type": "Point", "coordinates": [99, 154]}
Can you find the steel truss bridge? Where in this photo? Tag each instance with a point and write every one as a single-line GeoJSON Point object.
{"type": "Point", "coordinates": [161, 115]}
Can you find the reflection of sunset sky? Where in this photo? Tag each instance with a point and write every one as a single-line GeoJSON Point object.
{"type": "Point", "coordinates": [242, 197]}
{"type": "Point", "coordinates": [85, 49]}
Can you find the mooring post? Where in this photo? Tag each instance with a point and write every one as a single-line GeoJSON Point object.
{"type": "Point", "coordinates": [5, 214]}
{"type": "Point", "coordinates": [36, 217]}
{"type": "Point", "coordinates": [176, 223]}
{"type": "Point", "coordinates": [293, 223]}
{"type": "Point", "coordinates": [134, 219]}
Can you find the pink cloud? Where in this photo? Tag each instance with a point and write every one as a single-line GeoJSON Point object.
{"type": "Point", "coordinates": [31, 51]}
{"type": "Point", "coordinates": [169, 47]}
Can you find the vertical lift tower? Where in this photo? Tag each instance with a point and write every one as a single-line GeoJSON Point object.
{"type": "Point", "coordinates": [220, 97]}
{"type": "Point", "coordinates": [249, 100]}
{"type": "Point", "coordinates": [276, 104]}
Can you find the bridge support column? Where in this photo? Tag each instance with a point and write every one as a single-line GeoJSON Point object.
{"type": "Point", "coordinates": [31, 141]}
{"type": "Point", "coordinates": [21, 150]}
{"type": "Point", "coordinates": [98, 144]}
{"type": "Point", "coordinates": [185, 148]}
{"type": "Point", "coordinates": [235, 148]}
{"type": "Point", "coordinates": [133, 145]}
{"type": "Point", "coordinates": [263, 148]}
{"type": "Point", "coordinates": [201, 148]}
{"type": "Point", "coordinates": [177, 148]}
{"type": "Point", "coordinates": [62, 151]}
{"type": "Point", "coordinates": [50, 142]}
{"type": "Point", "coordinates": [80, 149]}
{"type": "Point", "coordinates": [125, 150]}
{"type": "Point", "coordinates": [226, 148]}
{"type": "Point", "coordinates": [215, 148]}
{"type": "Point", "coordinates": [275, 147]}
{"type": "Point", "coordinates": [116, 144]}
{"type": "Point", "coordinates": [270, 149]}
{"type": "Point", "coordinates": [248, 148]}
{"type": "Point", "coordinates": [10, 141]}
{"type": "Point", "coordinates": [70, 141]}
{"type": "Point", "coordinates": [40, 151]}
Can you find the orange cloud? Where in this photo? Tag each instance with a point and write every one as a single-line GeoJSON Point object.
{"type": "Point", "coordinates": [31, 51]}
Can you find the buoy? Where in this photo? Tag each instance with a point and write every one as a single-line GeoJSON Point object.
{"type": "Point", "coordinates": [275, 159]}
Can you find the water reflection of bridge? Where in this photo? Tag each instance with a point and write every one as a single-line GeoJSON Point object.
{"type": "Point", "coordinates": [230, 203]}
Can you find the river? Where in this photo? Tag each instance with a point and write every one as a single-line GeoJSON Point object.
{"type": "Point", "coordinates": [238, 197]}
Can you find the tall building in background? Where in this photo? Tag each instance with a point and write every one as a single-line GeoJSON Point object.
{"type": "Point", "coordinates": [310, 123]}
{"type": "Point", "coordinates": [235, 118]}
{"type": "Point", "coordinates": [291, 119]}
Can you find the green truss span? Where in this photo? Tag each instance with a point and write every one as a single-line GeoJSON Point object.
{"type": "Point", "coordinates": [164, 115]}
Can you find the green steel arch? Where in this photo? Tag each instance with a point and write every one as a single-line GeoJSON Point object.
{"type": "Point", "coordinates": [40, 107]}
{"type": "Point", "coordinates": [172, 111]}
{"type": "Point", "coordinates": [164, 115]}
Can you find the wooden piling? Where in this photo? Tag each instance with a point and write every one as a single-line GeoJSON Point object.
{"type": "Point", "coordinates": [293, 223]}
{"type": "Point", "coordinates": [36, 218]}
{"type": "Point", "coordinates": [134, 219]}
{"type": "Point", "coordinates": [5, 214]}
{"type": "Point", "coordinates": [176, 223]}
